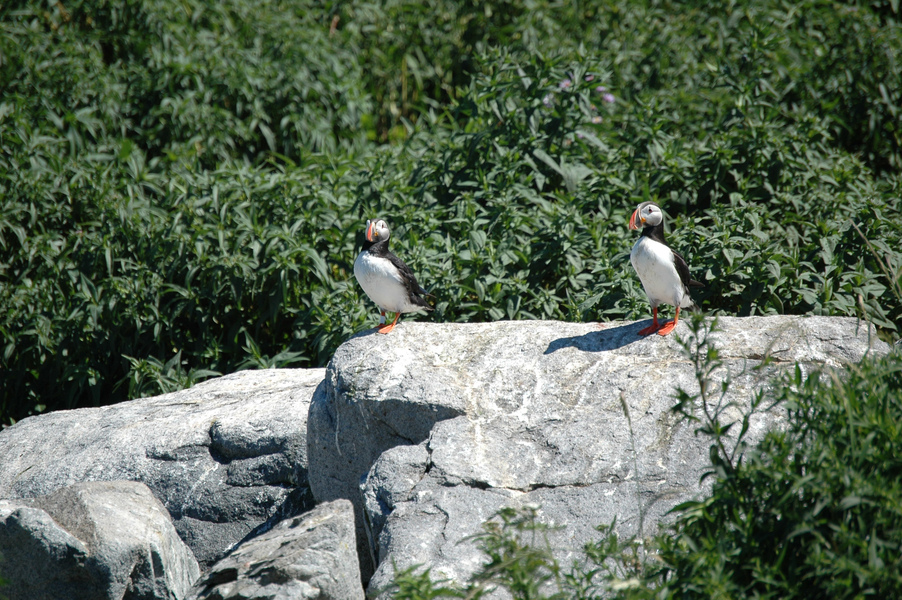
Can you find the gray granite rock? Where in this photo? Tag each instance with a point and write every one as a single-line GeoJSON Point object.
{"type": "Point", "coordinates": [93, 541]}
{"type": "Point", "coordinates": [433, 428]}
{"type": "Point", "coordinates": [223, 457]}
{"type": "Point", "coordinates": [428, 431]}
{"type": "Point", "coordinates": [311, 557]}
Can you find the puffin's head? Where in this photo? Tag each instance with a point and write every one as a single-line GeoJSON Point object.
{"type": "Point", "coordinates": [647, 214]}
{"type": "Point", "coordinates": [377, 230]}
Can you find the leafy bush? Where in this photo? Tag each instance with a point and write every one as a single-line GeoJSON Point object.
{"type": "Point", "coordinates": [184, 185]}
{"type": "Point", "coordinates": [195, 81]}
{"type": "Point", "coordinates": [116, 282]}
{"type": "Point", "coordinates": [813, 511]}
{"type": "Point", "coordinates": [818, 61]}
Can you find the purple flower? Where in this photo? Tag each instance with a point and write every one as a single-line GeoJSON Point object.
{"type": "Point", "coordinates": [548, 100]}
{"type": "Point", "coordinates": [565, 84]}
{"type": "Point", "coordinates": [609, 98]}
{"type": "Point", "coordinates": [601, 89]}
{"type": "Point", "coordinates": [596, 119]}
{"type": "Point", "coordinates": [590, 77]}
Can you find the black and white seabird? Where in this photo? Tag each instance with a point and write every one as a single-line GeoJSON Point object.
{"type": "Point", "coordinates": [663, 272]}
{"type": "Point", "coordinates": [385, 278]}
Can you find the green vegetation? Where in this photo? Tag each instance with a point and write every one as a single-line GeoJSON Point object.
{"type": "Point", "coordinates": [813, 511]}
{"type": "Point", "coordinates": [183, 185]}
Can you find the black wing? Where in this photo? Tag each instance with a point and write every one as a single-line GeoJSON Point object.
{"type": "Point", "coordinates": [683, 269]}
{"type": "Point", "coordinates": [414, 290]}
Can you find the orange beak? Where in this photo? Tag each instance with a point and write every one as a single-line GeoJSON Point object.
{"type": "Point", "coordinates": [370, 231]}
{"type": "Point", "coordinates": [634, 220]}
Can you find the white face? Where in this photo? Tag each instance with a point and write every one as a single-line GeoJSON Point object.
{"type": "Point", "coordinates": [648, 215]}
{"type": "Point", "coordinates": [377, 230]}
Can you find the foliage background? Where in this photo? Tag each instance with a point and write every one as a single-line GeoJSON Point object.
{"type": "Point", "coordinates": [183, 184]}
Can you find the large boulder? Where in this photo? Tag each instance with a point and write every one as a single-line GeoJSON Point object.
{"type": "Point", "coordinates": [224, 457]}
{"type": "Point", "coordinates": [311, 557]}
{"type": "Point", "coordinates": [431, 429]}
{"type": "Point", "coordinates": [93, 541]}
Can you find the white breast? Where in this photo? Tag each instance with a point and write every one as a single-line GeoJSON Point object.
{"type": "Point", "coordinates": [654, 264]}
{"type": "Point", "coordinates": [382, 283]}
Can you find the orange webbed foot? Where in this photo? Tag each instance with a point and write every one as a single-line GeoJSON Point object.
{"type": "Point", "coordinates": [386, 328]}
{"type": "Point", "coordinates": [670, 325]}
{"type": "Point", "coordinates": [650, 329]}
{"type": "Point", "coordinates": [654, 324]}
{"type": "Point", "coordinates": [667, 328]}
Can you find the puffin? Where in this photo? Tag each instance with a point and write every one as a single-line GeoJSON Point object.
{"type": "Point", "coordinates": [663, 272]}
{"type": "Point", "coordinates": [385, 278]}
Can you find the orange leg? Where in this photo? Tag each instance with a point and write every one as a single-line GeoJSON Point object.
{"type": "Point", "coordinates": [387, 328]}
{"type": "Point", "coordinates": [654, 326]}
{"type": "Point", "coordinates": [668, 326]}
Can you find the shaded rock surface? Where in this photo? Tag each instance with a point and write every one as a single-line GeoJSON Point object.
{"type": "Point", "coordinates": [93, 541]}
{"type": "Point", "coordinates": [433, 428]}
{"type": "Point", "coordinates": [311, 557]}
{"type": "Point", "coordinates": [223, 457]}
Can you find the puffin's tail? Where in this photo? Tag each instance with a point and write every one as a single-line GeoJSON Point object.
{"type": "Point", "coordinates": [421, 301]}
{"type": "Point", "coordinates": [688, 303]}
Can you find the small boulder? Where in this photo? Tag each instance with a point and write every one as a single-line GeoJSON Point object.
{"type": "Point", "coordinates": [224, 456]}
{"type": "Point", "coordinates": [93, 541]}
{"type": "Point", "coordinates": [311, 557]}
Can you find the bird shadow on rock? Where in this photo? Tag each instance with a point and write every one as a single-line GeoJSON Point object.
{"type": "Point", "coordinates": [602, 340]}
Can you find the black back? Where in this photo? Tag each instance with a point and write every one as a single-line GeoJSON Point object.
{"type": "Point", "coordinates": [414, 290]}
